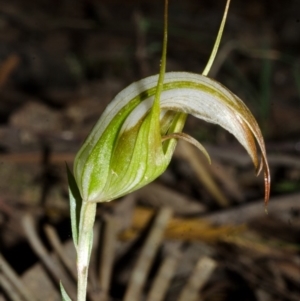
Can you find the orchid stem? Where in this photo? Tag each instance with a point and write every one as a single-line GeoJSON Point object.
{"type": "Point", "coordinates": [217, 42]}
{"type": "Point", "coordinates": [85, 241]}
{"type": "Point", "coordinates": [162, 70]}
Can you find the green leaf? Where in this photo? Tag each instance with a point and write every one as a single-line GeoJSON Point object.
{"type": "Point", "coordinates": [75, 205]}
{"type": "Point", "coordinates": [64, 294]}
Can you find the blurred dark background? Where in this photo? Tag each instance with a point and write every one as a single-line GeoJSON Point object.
{"type": "Point", "coordinates": [62, 62]}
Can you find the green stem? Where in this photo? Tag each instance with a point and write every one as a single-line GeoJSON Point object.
{"type": "Point", "coordinates": [85, 241]}
{"type": "Point", "coordinates": [217, 42]}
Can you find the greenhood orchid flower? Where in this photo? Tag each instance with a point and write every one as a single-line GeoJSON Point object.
{"type": "Point", "coordinates": [134, 140]}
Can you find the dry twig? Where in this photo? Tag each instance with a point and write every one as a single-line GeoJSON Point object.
{"type": "Point", "coordinates": [9, 289]}
{"type": "Point", "coordinates": [107, 256]}
{"type": "Point", "coordinates": [58, 248]}
{"type": "Point", "coordinates": [199, 277]}
{"type": "Point", "coordinates": [10, 279]}
{"type": "Point", "coordinates": [164, 276]}
{"type": "Point", "coordinates": [188, 153]}
{"type": "Point", "coordinates": [45, 258]}
{"type": "Point", "coordinates": [142, 267]}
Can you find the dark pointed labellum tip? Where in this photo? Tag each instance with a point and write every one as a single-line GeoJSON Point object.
{"type": "Point", "coordinates": [190, 140]}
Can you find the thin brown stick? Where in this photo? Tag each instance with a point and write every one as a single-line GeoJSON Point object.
{"type": "Point", "coordinates": [45, 258]}
{"type": "Point", "coordinates": [9, 289]}
{"type": "Point", "coordinates": [59, 249]}
{"type": "Point", "coordinates": [164, 276]}
{"type": "Point", "coordinates": [9, 275]}
{"type": "Point", "coordinates": [187, 152]}
{"type": "Point", "coordinates": [144, 262]}
{"type": "Point", "coordinates": [279, 206]}
{"type": "Point", "coordinates": [107, 256]}
{"type": "Point", "coordinates": [199, 277]}
{"type": "Point", "coordinates": [242, 159]}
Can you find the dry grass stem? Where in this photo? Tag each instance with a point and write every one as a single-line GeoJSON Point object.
{"type": "Point", "coordinates": [8, 288]}
{"type": "Point", "coordinates": [107, 256]}
{"type": "Point", "coordinates": [148, 252]}
{"type": "Point", "coordinates": [164, 276]}
{"type": "Point", "coordinates": [199, 277]}
{"type": "Point", "coordinates": [58, 248]}
{"type": "Point", "coordinates": [10, 279]}
{"type": "Point", "coordinates": [57, 273]}
{"type": "Point", "coordinates": [191, 229]}
{"type": "Point", "coordinates": [188, 153]}
{"type": "Point", "coordinates": [280, 206]}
